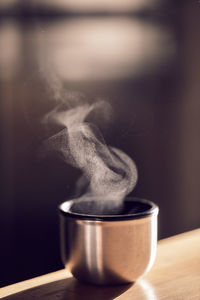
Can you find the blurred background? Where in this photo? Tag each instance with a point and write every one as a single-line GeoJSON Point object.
{"type": "Point", "coordinates": [141, 56]}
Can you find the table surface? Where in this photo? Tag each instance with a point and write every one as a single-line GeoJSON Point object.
{"type": "Point", "coordinates": [175, 275]}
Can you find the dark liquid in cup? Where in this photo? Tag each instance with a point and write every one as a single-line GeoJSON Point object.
{"type": "Point", "coordinates": [90, 207]}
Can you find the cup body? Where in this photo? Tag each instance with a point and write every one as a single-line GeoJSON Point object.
{"type": "Point", "coordinates": [109, 249]}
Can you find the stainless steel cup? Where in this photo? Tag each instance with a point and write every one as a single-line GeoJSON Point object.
{"type": "Point", "coordinates": [108, 249]}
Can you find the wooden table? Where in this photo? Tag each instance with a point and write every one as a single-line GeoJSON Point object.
{"type": "Point", "coordinates": [174, 276]}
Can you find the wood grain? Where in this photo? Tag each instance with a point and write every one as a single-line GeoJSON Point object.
{"type": "Point", "coordinates": [174, 276]}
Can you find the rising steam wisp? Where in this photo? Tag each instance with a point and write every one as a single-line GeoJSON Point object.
{"type": "Point", "coordinates": [108, 173]}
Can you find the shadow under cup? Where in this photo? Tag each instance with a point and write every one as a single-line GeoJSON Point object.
{"type": "Point", "coordinates": [114, 247]}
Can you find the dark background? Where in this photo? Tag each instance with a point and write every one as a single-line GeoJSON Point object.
{"type": "Point", "coordinates": [142, 58]}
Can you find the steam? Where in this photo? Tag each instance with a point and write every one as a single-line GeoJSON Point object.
{"type": "Point", "coordinates": [108, 173]}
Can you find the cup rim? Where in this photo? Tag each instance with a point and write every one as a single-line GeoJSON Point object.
{"type": "Point", "coordinates": [64, 209]}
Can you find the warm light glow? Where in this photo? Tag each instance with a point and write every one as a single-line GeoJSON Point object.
{"type": "Point", "coordinates": [104, 48]}
{"type": "Point", "coordinates": [98, 5]}
{"type": "Point", "coordinates": [10, 47]}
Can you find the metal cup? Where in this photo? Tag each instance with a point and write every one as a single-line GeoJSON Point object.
{"type": "Point", "coordinates": [108, 249]}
